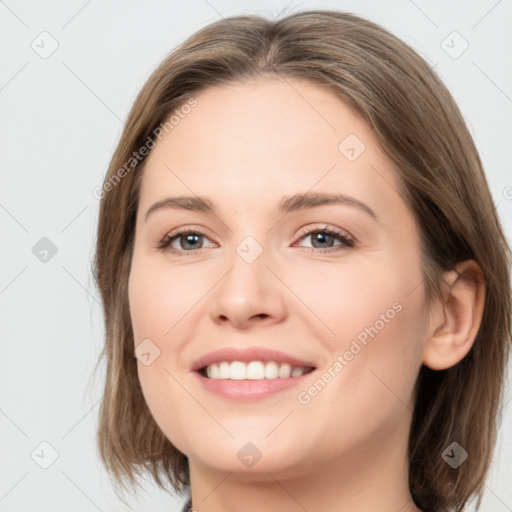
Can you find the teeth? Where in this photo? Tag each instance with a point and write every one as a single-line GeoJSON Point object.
{"type": "Point", "coordinates": [285, 371]}
{"type": "Point", "coordinates": [297, 371]}
{"type": "Point", "coordinates": [224, 370]}
{"type": "Point", "coordinates": [271, 370]}
{"type": "Point", "coordinates": [254, 370]}
{"type": "Point", "coordinates": [237, 371]}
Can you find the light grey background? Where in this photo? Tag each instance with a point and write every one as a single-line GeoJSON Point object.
{"type": "Point", "coordinates": [61, 117]}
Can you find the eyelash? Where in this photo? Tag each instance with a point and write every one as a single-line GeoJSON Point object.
{"type": "Point", "coordinates": [346, 242]}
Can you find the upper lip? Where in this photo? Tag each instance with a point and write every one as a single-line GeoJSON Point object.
{"type": "Point", "coordinates": [248, 354]}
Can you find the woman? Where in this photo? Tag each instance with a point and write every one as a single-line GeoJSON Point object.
{"type": "Point", "coordinates": [361, 371]}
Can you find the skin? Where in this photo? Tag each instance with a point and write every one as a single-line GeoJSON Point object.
{"type": "Point", "coordinates": [245, 146]}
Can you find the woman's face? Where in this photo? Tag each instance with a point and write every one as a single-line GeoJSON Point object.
{"type": "Point", "coordinates": [261, 280]}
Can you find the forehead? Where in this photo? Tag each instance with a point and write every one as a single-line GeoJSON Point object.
{"type": "Point", "coordinates": [270, 137]}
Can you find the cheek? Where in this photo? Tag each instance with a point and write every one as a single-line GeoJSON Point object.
{"type": "Point", "coordinates": [159, 297]}
{"type": "Point", "coordinates": [378, 348]}
{"type": "Point", "coordinates": [371, 316]}
{"type": "Point", "coordinates": [159, 300]}
{"type": "Point", "coordinates": [356, 299]}
{"type": "Point", "coordinates": [141, 300]}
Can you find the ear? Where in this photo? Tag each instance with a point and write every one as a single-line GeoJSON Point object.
{"type": "Point", "coordinates": [456, 317]}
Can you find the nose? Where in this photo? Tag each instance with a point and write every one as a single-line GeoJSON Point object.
{"type": "Point", "coordinates": [249, 293]}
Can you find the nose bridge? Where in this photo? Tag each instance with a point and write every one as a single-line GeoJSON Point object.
{"type": "Point", "coordinates": [249, 289]}
{"type": "Point", "coordinates": [248, 267]}
{"type": "Point", "coordinates": [251, 247]}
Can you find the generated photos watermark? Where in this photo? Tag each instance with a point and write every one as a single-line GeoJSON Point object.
{"type": "Point", "coordinates": [342, 360]}
{"type": "Point", "coordinates": [142, 152]}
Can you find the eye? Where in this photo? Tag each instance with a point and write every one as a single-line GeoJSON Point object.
{"type": "Point", "coordinates": [323, 238]}
{"type": "Point", "coordinates": [188, 239]}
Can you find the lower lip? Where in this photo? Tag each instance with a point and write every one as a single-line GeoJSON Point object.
{"type": "Point", "coordinates": [250, 389]}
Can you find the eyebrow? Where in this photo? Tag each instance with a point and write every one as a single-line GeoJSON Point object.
{"type": "Point", "coordinates": [296, 202]}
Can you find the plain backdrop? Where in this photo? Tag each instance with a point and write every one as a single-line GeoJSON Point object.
{"type": "Point", "coordinates": [70, 71]}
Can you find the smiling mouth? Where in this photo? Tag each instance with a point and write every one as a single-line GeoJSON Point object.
{"type": "Point", "coordinates": [253, 370]}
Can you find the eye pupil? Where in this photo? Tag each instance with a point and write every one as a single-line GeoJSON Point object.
{"type": "Point", "coordinates": [188, 238]}
{"type": "Point", "coordinates": [321, 236]}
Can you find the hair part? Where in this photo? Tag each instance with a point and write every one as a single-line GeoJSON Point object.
{"type": "Point", "coordinates": [440, 175]}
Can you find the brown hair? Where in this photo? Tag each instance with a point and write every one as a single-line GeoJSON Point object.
{"type": "Point", "coordinates": [421, 129]}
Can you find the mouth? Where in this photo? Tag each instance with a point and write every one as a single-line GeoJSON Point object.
{"type": "Point", "coordinates": [247, 374]}
{"type": "Point", "coordinates": [253, 370]}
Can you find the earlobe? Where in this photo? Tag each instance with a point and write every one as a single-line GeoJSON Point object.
{"type": "Point", "coordinates": [456, 319]}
